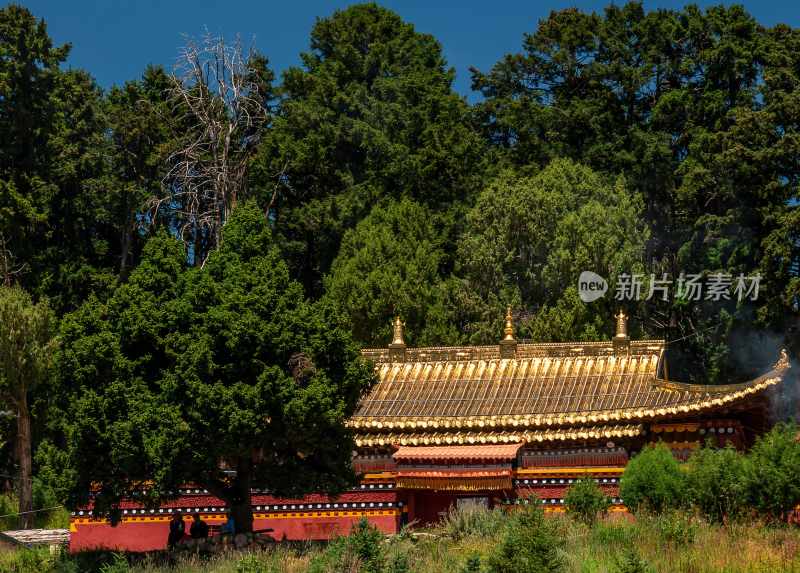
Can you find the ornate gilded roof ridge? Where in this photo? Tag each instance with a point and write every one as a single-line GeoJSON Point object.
{"type": "Point", "coordinates": [523, 350]}
{"type": "Point", "coordinates": [522, 342]}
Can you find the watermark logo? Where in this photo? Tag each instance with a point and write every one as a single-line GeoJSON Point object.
{"type": "Point", "coordinates": [591, 286]}
{"type": "Point", "coordinates": [715, 287]}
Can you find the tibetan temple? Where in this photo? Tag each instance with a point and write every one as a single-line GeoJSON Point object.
{"type": "Point", "coordinates": [485, 425]}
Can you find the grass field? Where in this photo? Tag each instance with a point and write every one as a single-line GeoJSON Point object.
{"type": "Point", "coordinates": [466, 541]}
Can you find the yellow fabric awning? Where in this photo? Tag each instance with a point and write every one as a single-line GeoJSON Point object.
{"type": "Point", "coordinates": [457, 480]}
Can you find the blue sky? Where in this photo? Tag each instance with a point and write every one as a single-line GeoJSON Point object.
{"type": "Point", "coordinates": [114, 39]}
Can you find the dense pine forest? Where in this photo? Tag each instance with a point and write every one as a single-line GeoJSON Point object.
{"type": "Point", "coordinates": [200, 252]}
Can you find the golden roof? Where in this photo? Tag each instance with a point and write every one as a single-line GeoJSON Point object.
{"type": "Point", "coordinates": [428, 392]}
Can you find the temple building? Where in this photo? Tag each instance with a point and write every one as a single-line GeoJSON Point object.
{"type": "Point", "coordinates": [487, 425]}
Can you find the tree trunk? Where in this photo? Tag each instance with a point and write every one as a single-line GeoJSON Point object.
{"type": "Point", "coordinates": [242, 514]}
{"type": "Point", "coordinates": [25, 463]}
{"type": "Point", "coordinates": [125, 248]}
{"type": "Point", "coordinates": [241, 507]}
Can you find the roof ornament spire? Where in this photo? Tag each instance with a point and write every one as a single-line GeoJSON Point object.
{"type": "Point", "coordinates": [397, 331]}
{"type": "Point", "coordinates": [622, 343]}
{"type": "Point", "coordinates": [509, 329]}
{"type": "Point", "coordinates": [508, 345]}
{"type": "Point", "coordinates": [783, 361]}
{"type": "Point", "coordinates": [622, 325]}
{"type": "Point", "coordinates": [397, 348]}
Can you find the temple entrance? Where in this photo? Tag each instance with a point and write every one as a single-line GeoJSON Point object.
{"type": "Point", "coordinates": [429, 507]}
{"type": "Point", "coordinates": [436, 478]}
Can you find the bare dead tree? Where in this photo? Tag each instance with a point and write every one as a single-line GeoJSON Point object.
{"type": "Point", "coordinates": [220, 111]}
{"type": "Point", "coordinates": [8, 267]}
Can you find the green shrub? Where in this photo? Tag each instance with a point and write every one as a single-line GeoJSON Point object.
{"type": "Point", "coordinates": [716, 483]}
{"type": "Point", "coordinates": [251, 563]}
{"type": "Point", "coordinates": [8, 506]}
{"type": "Point", "coordinates": [529, 542]}
{"type": "Point", "coordinates": [365, 542]}
{"type": "Point", "coordinates": [66, 564]}
{"type": "Point", "coordinates": [653, 481]}
{"type": "Point", "coordinates": [360, 551]}
{"type": "Point", "coordinates": [772, 473]}
{"type": "Point", "coordinates": [28, 561]}
{"type": "Point", "coordinates": [43, 495]}
{"type": "Point", "coordinates": [399, 564]}
{"type": "Point", "coordinates": [675, 527]}
{"type": "Point", "coordinates": [119, 564]}
{"type": "Point", "coordinates": [473, 564]}
{"type": "Point", "coordinates": [631, 562]}
{"type": "Point", "coordinates": [585, 501]}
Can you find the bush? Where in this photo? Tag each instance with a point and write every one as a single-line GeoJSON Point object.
{"type": "Point", "coordinates": [365, 542]}
{"type": "Point", "coordinates": [529, 542]}
{"type": "Point", "coordinates": [716, 483]}
{"type": "Point", "coordinates": [26, 561]}
{"type": "Point", "coordinates": [118, 565]}
{"type": "Point", "coordinates": [360, 551]}
{"type": "Point", "coordinates": [8, 506]}
{"type": "Point", "coordinates": [473, 564]}
{"type": "Point", "coordinates": [253, 563]}
{"type": "Point", "coordinates": [675, 527]}
{"type": "Point", "coordinates": [399, 564]}
{"type": "Point", "coordinates": [653, 481]}
{"type": "Point", "coordinates": [585, 501]}
{"type": "Point", "coordinates": [631, 562]}
{"type": "Point", "coordinates": [772, 473]}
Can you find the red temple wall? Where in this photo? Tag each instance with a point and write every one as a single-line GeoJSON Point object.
{"type": "Point", "coordinates": [150, 534]}
{"type": "Point", "coordinates": [128, 536]}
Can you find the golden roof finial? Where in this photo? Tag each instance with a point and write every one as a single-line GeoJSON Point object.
{"type": "Point", "coordinates": [622, 325]}
{"type": "Point", "coordinates": [397, 331]}
{"type": "Point", "coordinates": [509, 329]}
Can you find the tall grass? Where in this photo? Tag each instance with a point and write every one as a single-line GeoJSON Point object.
{"type": "Point", "coordinates": [461, 522]}
{"type": "Point", "coordinates": [466, 539]}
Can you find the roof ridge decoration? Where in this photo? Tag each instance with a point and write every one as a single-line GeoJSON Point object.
{"type": "Point", "coordinates": [397, 332]}
{"type": "Point", "coordinates": [621, 340]}
{"type": "Point", "coordinates": [508, 346]}
{"type": "Point", "coordinates": [509, 328]}
{"type": "Point", "coordinates": [622, 325]}
{"type": "Point", "coordinates": [783, 362]}
{"type": "Point", "coordinates": [397, 348]}
{"type": "Point", "coordinates": [523, 350]}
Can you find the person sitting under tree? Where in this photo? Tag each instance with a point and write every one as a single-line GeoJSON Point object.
{"type": "Point", "coordinates": [177, 529]}
{"type": "Point", "coordinates": [199, 529]}
{"type": "Point", "coordinates": [230, 525]}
